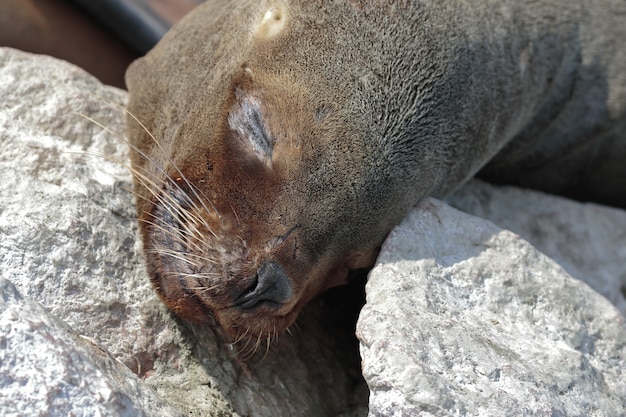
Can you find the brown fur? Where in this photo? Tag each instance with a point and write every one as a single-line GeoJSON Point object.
{"type": "Point", "coordinates": [300, 132]}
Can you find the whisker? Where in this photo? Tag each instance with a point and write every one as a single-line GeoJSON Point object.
{"type": "Point", "coordinates": [243, 351]}
{"type": "Point", "coordinates": [235, 213]}
{"type": "Point", "coordinates": [202, 258]}
{"type": "Point", "coordinates": [173, 207]}
{"type": "Point", "coordinates": [152, 162]}
{"type": "Point", "coordinates": [158, 144]}
{"type": "Point", "coordinates": [154, 186]}
{"type": "Point", "coordinates": [204, 287]}
{"type": "Point", "coordinates": [169, 202]}
{"type": "Point", "coordinates": [241, 336]}
{"type": "Point", "coordinates": [177, 235]}
{"type": "Point", "coordinates": [204, 290]}
{"type": "Point", "coordinates": [172, 254]}
{"type": "Point", "coordinates": [144, 180]}
{"type": "Point", "coordinates": [268, 342]}
{"type": "Point", "coordinates": [249, 352]}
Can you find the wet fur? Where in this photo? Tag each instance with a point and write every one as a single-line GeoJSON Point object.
{"type": "Point", "coordinates": [305, 137]}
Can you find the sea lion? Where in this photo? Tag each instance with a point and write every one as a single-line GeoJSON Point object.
{"type": "Point", "coordinates": [280, 141]}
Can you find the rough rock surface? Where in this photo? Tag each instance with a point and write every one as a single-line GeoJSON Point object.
{"type": "Point", "coordinates": [588, 240]}
{"type": "Point", "coordinates": [68, 244]}
{"type": "Point", "coordinates": [491, 326]}
{"type": "Point", "coordinates": [68, 241]}
{"type": "Point", "coordinates": [45, 366]}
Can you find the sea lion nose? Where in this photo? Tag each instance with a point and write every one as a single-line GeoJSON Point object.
{"type": "Point", "coordinates": [271, 287]}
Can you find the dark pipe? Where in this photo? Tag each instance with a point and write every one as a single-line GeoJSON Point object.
{"type": "Point", "coordinates": [135, 21]}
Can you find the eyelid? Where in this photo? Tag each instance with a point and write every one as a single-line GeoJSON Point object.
{"type": "Point", "coordinates": [246, 118]}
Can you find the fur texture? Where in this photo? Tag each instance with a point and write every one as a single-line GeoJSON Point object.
{"type": "Point", "coordinates": [298, 133]}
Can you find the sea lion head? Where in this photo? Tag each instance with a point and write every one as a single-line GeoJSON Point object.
{"type": "Point", "coordinates": [259, 175]}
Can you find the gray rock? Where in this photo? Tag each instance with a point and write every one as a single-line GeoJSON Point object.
{"type": "Point", "coordinates": [464, 318]}
{"type": "Point", "coordinates": [47, 369]}
{"type": "Point", "coordinates": [67, 229]}
{"type": "Point", "coordinates": [587, 240]}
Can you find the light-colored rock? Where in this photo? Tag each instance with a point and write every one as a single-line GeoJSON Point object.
{"type": "Point", "coordinates": [588, 240]}
{"type": "Point", "coordinates": [46, 369]}
{"type": "Point", "coordinates": [67, 229]}
{"type": "Point", "coordinates": [68, 241]}
{"type": "Point", "coordinates": [464, 318]}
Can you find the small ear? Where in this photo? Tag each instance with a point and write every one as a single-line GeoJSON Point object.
{"type": "Point", "coordinates": [247, 120]}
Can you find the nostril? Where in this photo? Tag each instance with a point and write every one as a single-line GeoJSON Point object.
{"type": "Point", "coordinates": [271, 287]}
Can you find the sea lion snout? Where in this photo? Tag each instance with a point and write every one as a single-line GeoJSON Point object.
{"type": "Point", "coordinates": [270, 287]}
{"type": "Point", "coordinates": [205, 265]}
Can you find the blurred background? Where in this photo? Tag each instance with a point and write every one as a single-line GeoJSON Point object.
{"type": "Point", "coordinates": [101, 36]}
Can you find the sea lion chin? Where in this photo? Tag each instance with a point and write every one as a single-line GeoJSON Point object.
{"type": "Point", "coordinates": [274, 144]}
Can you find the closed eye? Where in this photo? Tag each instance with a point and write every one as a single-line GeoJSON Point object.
{"type": "Point", "coordinates": [246, 119]}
